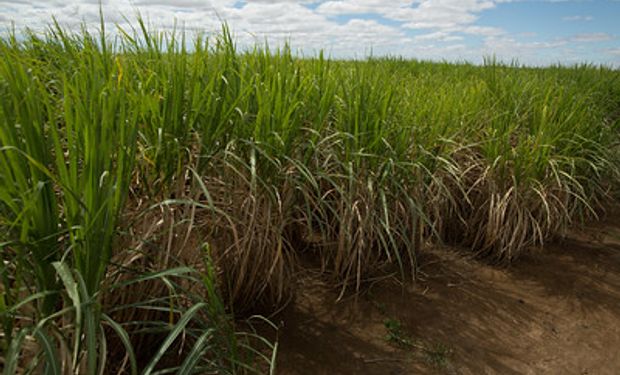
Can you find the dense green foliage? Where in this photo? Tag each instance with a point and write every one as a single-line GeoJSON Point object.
{"type": "Point", "coordinates": [121, 158]}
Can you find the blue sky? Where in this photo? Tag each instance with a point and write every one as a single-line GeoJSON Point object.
{"type": "Point", "coordinates": [533, 32]}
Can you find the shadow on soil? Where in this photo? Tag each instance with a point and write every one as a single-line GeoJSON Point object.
{"type": "Point", "coordinates": [556, 311]}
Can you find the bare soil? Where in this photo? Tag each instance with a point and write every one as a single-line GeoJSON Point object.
{"type": "Point", "coordinates": [555, 311]}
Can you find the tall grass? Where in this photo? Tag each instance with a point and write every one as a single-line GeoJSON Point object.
{"type": "Point", "coordinates": [121, 157]}
{"type": "Point", "coordinates": [72, 111]}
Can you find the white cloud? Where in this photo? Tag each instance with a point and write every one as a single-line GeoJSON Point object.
{"type": "Point", "coordinates": [344, 7]}
{"type": "Point", "coordinates": [483, 30]}
{"type": "Point", "coordinates": [439, 36]}
{"type": "Point", "coordinates": [591, 37]}
{"type": "Point", "coordinates": [508, 48]}
{"type": "Point", "coordinates": [420, 14]}
{"type": "Point", "coordinates": [436, 29]}
{"type": "Point", "coordinates": [577, 18]}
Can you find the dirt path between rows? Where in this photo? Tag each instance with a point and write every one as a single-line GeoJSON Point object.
{"type": "Point", "coordinates": [556, 311]}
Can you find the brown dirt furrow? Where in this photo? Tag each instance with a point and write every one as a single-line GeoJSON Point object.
{"type": "Point", "coordinates": [554, 311]}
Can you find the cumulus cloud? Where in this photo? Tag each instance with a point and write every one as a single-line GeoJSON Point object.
{"type": "Point", "coordinates": [439, 36]}
{"type": "Point", "coordinates": [591, 37]}
{"type": "Point", "coordinates": [348, 7]}
{"type": "Point", "coordinates": [577, 18]}
{"type": "Point", "coordinates": [419, 14]}
{"type": "Point", "coordinates": [438, 29]}
{"type": "Point", "coordinates": [507, 48]}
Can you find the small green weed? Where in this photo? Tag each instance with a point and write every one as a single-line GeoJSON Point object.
{"type": "Point", "coordinates": [395, 333]}
{"type": "Point", "coordinates": [438, 355]}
